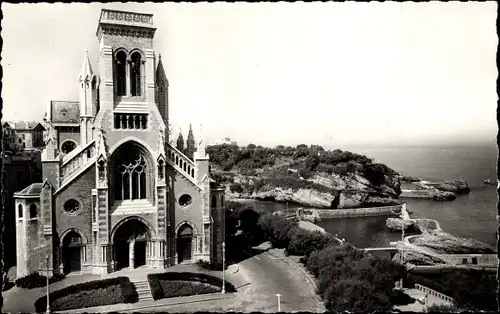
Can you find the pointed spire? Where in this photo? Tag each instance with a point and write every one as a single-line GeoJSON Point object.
{"type": "Point", "coordinates": [161, 77]}
{"type": "Point", "coordinates": [86, 70]}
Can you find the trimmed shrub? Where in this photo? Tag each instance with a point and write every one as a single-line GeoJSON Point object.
{"type": "Point", "coordinates": [442, 308]}
{"type": "Point", "coordinates": [160, 284]}
{"type": "Point", "coordinates": [398, 297]}
{"type": "Point", "coordinates": [89, 294]}
{"type": "Point", "coordinates": [35, 280]}
{"type": "Point", "coordinates": [354, 296]}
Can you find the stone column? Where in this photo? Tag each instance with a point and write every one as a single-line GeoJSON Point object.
{"type": "Point", "coordinates": [131, 254]}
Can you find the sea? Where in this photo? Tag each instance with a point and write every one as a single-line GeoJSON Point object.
{"type": "Point", "coordinates": [471, 216]}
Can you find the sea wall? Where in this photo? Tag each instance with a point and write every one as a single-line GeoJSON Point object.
{"type": "Point", "coordinates": [357, 212]}
{"type": "Point", "coordinates": [416, 194]}
{"type": "Point", "coordinates": [478, 259]}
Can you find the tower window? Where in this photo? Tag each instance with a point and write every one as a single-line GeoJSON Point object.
{"type": "Point", "coordinates": [20, 211]}
{"type": "Point", "coordinates": [130, 121]}
{"type": "Point", "coordinates": [121, 72]}
{"type": "Point", "coordinates": [135, 75]}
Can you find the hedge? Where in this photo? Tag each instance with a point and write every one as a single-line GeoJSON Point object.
{"type": "Point", "coordinates": [35, 280]}
{"type": "Point", "coordinates": [177, 285]}
{"type": "Point", "coordinates": [89, 294]}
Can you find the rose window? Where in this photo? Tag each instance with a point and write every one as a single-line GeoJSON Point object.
{"type": "Point", "coordinates": [71, 206]}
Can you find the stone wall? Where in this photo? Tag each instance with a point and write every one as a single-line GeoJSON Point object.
{"type": "Point", "coordinates": [358, 212]}
{"type": "Point", "coordinates": [81, 190]}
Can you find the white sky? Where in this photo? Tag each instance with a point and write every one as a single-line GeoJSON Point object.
{"type": "Point", "coordinates": [282, 73]}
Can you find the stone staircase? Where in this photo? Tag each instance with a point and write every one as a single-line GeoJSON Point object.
{"type": "Point", "coordinates": [142, 287]}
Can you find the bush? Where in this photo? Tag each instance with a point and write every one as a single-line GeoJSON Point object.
{"type": "Point", "coordinates": [398, 297]}
{"type": "Point", "coordinates": [89, 294]}
{"type": "Point", "coordinates": [210, 265]}
{"type": "Point", "coordinates": [35, 280]}
{"type": "Point", "coordinates": [442, 308]}
{"type": "Point", "coordinates": [160, 284]}
{"type": "Point", "coordinates": [304, 242]}
{"type": "Point", "coordinates": [354, 296]}
{"type": "Point", "coordinates": [236, 188]}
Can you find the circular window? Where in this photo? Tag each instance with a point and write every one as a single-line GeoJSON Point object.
{"type": "Point", "coordinates": [185, 200]}
{"type": "Point", "coordinates": [68, 146]}
{"type": "Point", "coordinates": [71, 206]}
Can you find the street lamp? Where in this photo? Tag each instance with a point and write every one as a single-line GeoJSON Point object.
{"type": "Point", "coordinates": [279, 302]}
{"type": "Point", "coordinates": [48, 301]}
{"type": "Point", "coordinates": [223, 267]}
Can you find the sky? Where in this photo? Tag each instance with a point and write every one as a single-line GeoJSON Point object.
{"type": "Point", "coordinates": [333, 74]}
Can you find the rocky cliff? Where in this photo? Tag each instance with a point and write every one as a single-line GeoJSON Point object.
{"type": "Point", "coordinates": [321, 190]}
{"type": "Point", "coordinates": [306, 175]}
{"type": "Point", "coordinates": [439, 190]}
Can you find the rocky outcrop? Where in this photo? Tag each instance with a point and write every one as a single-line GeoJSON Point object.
{"type": "Point", "coordinates": [418, 259]}
{"type": "Point", "coordinates": [456, 186]}
{"type": "Point", "coordinates": [421, 225]}
{"type": "Point", "coordinates": [445, 243]}
{"type": "Point", "coordinates": [320, 191]}
{"type": "Point", "coordinates": [396, 224]}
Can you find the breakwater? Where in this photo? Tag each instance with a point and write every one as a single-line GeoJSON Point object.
{"type": "Point", "coordinates": [320, 214]}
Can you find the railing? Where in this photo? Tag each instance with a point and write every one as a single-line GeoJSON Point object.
{"type": "Point", "coordinates": [434, 293]}
{"type": "Point", "coordinates": [75, 161]}
{"type": "Point", "coordinates": [181, 162]}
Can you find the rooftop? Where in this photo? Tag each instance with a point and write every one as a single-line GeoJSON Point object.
{"type": "Point", "coordinates": [31, 190]}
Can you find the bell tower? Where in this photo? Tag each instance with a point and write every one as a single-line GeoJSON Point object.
{"type": "Point", "coordinates": [127, 63]}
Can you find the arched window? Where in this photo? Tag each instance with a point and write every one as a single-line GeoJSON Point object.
{"type": "Point", "coordinates": [135, 74]}
{"type": "Point", "coordinates": [20, 211]}
{"type": "Point", "coordinates": [33, 211]}
{"type": "Point", "coordinates": [121, 72]}
{"type": "Point", "coordinates": [130, 176]}
{"type": "Point", "coordinates": [214, 202]}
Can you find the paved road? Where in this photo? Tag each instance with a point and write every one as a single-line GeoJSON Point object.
{"type": "Point", "coordinates": [269, 274]}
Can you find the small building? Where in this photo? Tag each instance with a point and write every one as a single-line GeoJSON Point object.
{"type": "Point", "coordinates": [223, 141]}
{"type": "Point", "coordinates": [8, 137]}
{"type": "Point", "coordinates": [27, 134]}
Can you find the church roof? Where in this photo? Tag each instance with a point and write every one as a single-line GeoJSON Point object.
{"type": "Point", "coordinates": [31, 190]}
{"type": "Point", "coordinates": [161, 77]}
{"type": "Point", "coordinates": [64, 111]}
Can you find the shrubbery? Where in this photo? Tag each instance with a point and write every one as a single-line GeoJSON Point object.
{"type": "Point", "coordinates": [471, 289]}
{"type": "Point", "coordinates": [311, 159]}
{"type": "Point", "coordinates": [35, 280]}
{"type": "Point", "coordinates": [442, 308]}
{"type": "Point", "coordinates": [89, 294]}
{"type": "Point", "coordinates": [170, 284]}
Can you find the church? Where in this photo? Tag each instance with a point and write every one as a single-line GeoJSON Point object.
{"type": "Point", "coordinates": [115, 193]}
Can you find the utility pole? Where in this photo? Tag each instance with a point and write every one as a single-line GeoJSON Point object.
{"type": "Point", "coordinates": [279, 302]}
{"type": "Point", "coordinates": [223, 267]}
{"type": "Point", "coordinates": [48, 300]}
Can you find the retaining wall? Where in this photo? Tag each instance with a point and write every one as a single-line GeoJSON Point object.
{"type": "Point", "coordinates": [358, 212]}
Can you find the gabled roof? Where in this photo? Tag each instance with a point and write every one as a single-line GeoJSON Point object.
{"type": "Point", "coordinates": [24, 125]}
{"type": "Point", "coordinates": [31, 190]}
{"type": "Point", "coordinates": [64, 112]}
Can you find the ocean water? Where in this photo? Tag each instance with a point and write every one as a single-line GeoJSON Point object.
{"type": "Point", "coordinates": [472, 215]}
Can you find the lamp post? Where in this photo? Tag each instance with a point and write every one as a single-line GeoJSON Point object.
{"type": "Point", "coordinates": [403, 216]}
{"type": "Point", "coordinates": [223, 267]}
{"type": "Point", "coordinates": [48, 300]}
{"type": "Point", "coordinates": [279, 302]}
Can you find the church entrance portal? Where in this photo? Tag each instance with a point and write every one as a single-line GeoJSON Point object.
{"type": "Point", "coordinates": [71, 252]}
{"type": "Point", "coordinates": [130, 241]}
{"type": "Point", "coordinates": [184, 243]}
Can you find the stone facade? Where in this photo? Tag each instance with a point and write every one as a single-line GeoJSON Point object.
{"type": "Point", "coordinates": [123, 196]}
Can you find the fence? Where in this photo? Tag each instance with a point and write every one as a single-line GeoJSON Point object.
{"type": "Point", "coordinates": [434, 293]}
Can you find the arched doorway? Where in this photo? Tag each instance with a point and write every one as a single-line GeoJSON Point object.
{"type": "Point", "coordinates": [184, 243]}
{"type": "Point", "coordinates": [71, 252]}
{"type": "Point", "coordinates": [130, 242]}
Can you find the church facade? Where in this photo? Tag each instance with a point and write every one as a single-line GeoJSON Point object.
{"type": "Point", "coordinates": [115, 193]}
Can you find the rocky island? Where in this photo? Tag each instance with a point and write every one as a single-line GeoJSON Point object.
{"type": "Point", "coordinates": [309, 176]}
{"type": "Point", "coordinates": [412, 187]}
